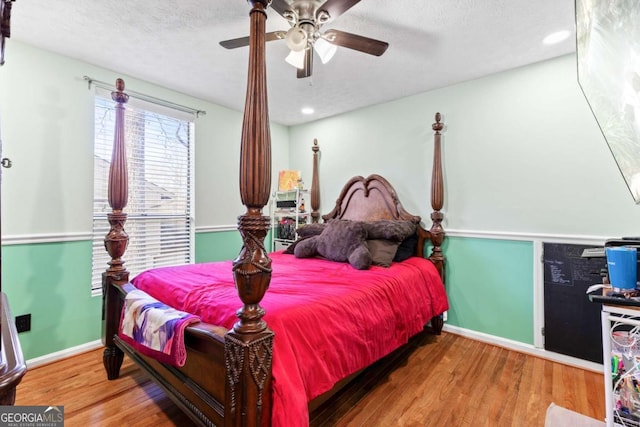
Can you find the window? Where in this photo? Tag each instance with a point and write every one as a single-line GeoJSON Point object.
{"type": "Point", "coordinates": [159, 143]}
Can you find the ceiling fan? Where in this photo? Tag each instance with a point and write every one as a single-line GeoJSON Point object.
{"type": "Point", "coordinates": [306, 18]}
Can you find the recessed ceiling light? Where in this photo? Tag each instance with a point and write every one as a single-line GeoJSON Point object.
{"type": "Point", "coordinates": [556, 37]}
{"type": "Point", "coordinates": [307, 110]}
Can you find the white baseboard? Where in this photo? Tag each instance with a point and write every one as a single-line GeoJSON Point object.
{"type": "Point", "coordinates": [525, 348]}
{"type": "Point", "coordinates": [63, 354]}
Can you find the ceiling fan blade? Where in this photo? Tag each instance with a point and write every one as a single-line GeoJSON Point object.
{"type": "Point", "coordinates": [308, 64]}
{"type": "Point", "coordinates": [356, 42]}
{"type": "Point", "coordinates": [244, 41]}
{"type": "Point", "coordinates": [280, 6]}
{"type": "Point", "coordinates": [337, 7]}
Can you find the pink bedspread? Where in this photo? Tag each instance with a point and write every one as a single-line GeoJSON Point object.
{"type": "Point", "coordinates": [329, 319]}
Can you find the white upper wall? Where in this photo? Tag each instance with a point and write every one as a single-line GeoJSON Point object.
{"type": "Point", "coordinates": [522, 153]}
{"type": "Point", "coordinates": [46, 113]}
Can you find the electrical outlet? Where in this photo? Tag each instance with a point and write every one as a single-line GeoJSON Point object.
{"type": "Point", "coordinates": [23, 323]}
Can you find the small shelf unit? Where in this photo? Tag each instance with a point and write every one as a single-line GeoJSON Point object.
{"type": "Point", "coordinates": [288, 212]}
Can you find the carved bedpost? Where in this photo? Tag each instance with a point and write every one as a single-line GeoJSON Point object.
{"type": "Point", "coordinates": [116, 241]}
{"type": "Point", "coordinates": [315, 184]}
{"type": "Point", "coordinates": [249, 345]}
{"type": "Point", "coordinates": [437, 199]}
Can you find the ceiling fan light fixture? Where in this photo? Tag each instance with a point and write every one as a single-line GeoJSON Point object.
{"type": "Point", "coordinates": [305, 36]}
{"type": "Point", "coordinates": [296, 58]}
{"type": "Point", "coordinates": [325, 49]}
{"type": "Point", "coordinates": [296, 39]}
{"type": "Point", "coordinates": [322, 17]}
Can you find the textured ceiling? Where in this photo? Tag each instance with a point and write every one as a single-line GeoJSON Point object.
{"type": "Point", "coordinates": [432, 44]}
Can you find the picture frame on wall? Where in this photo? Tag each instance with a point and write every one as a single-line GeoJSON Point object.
{"type": "Point", "coordinates": [288, 180]}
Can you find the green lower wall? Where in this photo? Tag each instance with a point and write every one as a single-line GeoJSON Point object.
{"type": "Point", "coordinates": [52, 281]}
{"type": "Point", "coordinates": [490, 286]}
{"type": "Point", "coordinates": [489, 283]}
{"type": "Point", "coordinates": [218, 246]}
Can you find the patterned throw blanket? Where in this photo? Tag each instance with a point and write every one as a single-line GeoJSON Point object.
{"type": "Point", "coordinates": [154, 328]}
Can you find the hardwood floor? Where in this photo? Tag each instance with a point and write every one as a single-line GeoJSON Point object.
{"type": "Point", "coordinates": [437, 381]}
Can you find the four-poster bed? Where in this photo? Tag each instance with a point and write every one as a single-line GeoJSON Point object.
{"type": "Point", "coordinates": [239, 373]}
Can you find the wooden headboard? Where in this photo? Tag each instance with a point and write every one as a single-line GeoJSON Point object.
{"type": "Point", "coordinates": [374, 198]}
{"type": "Point", "coordinates": [369, 199]}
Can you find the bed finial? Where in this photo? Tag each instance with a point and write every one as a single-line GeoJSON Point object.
{"type": "Point", "coordinates": [437, 126]}
{"type": "Point", "coordinates": [437, 199]}
{"type": "Point", "coordinates": [315, 184]}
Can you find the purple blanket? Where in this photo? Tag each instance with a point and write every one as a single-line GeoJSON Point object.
{"type": "Point", "coordinates": [154, 328]}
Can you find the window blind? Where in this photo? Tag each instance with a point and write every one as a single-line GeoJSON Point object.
{"type": "Point", "coordinates": [159, 145]}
